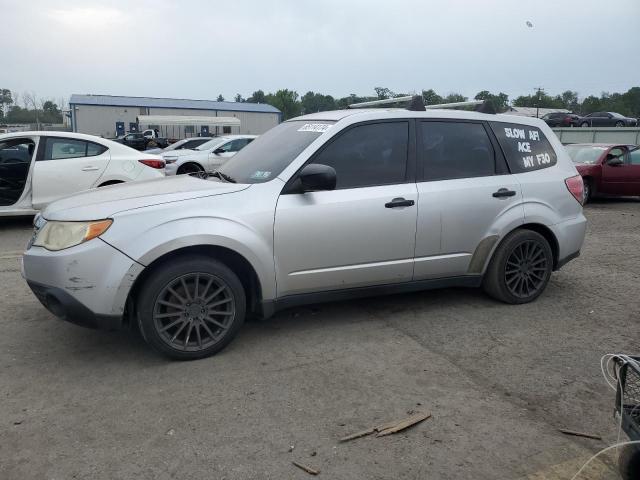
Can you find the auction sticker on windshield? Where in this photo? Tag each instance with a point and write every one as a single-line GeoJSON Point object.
{"type": "Point", "coordinates": [315, 127]}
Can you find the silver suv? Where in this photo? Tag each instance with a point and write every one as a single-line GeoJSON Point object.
{"type": "Point", "coordinates": [327, 206]}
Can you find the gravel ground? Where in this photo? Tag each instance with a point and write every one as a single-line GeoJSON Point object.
{"type": "Point", "coordinates": [498, 379]}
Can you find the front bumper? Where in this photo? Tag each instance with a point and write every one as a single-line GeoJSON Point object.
{"type": "Point", "coordinates": [87, 284]}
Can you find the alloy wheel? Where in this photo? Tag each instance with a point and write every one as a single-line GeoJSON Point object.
{"type": "Point", "coordinates": [526, 269]}
{"type": "Point", "coordinates": [194, 311]}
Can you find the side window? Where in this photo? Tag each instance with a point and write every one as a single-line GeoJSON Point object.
{"type": "Point", "coordinates": [94, 149]}
{"type": "Point", "coordinates": [617, 152]}
{"type": "Point", "coordinates": [226, 129]}
{"type": "Point", "coordinates": [60, 148]}
{"type": "Point", "coordinates": [455, 150]}
{"type": "Point", "coordinates": [634, 157]}
{"type": "Point", "coordinates": [368, 155]}
{"type": "Point", "coordinates": [525, 147]}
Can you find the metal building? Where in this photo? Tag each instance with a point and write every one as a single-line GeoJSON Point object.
{"type": "Point", "coordinates": [110, 116]}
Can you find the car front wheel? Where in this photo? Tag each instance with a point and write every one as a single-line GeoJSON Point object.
{"type": "Point", "coordinates": [191, 307]}
{"type": "Point", "coordinates": [520, 268]}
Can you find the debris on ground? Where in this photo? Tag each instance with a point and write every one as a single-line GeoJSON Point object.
{"type": "Point", "coordinates": [306, 468]}
{"type": "Point", "coordinates": [580, 434]}
{"type": "Point", "coordinates": [390, 427]}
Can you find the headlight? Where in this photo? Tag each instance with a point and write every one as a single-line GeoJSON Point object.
{"type": "Point", "coordinates": [61, 235]}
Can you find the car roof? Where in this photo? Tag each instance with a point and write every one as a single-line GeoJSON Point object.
{"type": "Point", "coordinates": [33, 133]}
{"type": "Point", "coordinates": [603, 145]}
{"type": "Point", "coordinates": [364, 114]}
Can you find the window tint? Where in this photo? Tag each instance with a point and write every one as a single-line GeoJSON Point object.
{"type": "Point", "coordinates": [455, 150]}
{"type": "Point", "coordinates": [634, 157]}
{"type": "Point", "coordinates": [61, 148]}
{"type": "Point", "coordinates": [526, 148]}
{"type": "Point", "coordinates": [366, 155]}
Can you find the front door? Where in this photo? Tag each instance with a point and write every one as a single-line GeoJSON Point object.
{"type": "Point", "coordinates": [65, 166]}
{"type": "Point", "coordinates": [616, 179]}
{"type": "Point", "coordinates": [465, 193]}
{"type": "Point", "coordinates": [363, 232]}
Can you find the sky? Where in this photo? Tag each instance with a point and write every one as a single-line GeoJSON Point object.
{"type": "Point", "coordinates": [200, 49]}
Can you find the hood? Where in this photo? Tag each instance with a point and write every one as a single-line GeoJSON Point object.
{"type": "Point", "coordinates": [104, 202]}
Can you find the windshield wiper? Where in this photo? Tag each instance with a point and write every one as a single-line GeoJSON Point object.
{"type": "Point", "coordinates": [223, 176]}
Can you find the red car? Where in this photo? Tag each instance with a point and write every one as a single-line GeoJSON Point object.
{"type": "Point", "coordinates": [607, 169]}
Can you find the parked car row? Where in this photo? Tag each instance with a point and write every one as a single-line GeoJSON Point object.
{"type": "Point", "coordinates": [595, 119]}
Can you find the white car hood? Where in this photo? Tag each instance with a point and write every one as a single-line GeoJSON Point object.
{"type": "Point", "coordinates": [99, 203]}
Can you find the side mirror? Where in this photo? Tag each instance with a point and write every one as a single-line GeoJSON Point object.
{"type": "Point", "coordinates": [614, 161]}
{"type": "Point", "coordinates": [218, 151]}
{"type": "Point", "coordinates": [315, 177]}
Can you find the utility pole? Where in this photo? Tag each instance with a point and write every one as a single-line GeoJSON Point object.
{"type": "Point", "coordinates": [539, 90]}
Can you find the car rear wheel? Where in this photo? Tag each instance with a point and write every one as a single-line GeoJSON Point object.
{"type": "Point", "coordinates": [191, 307]}
{"type": "Point", "coordinates": [587, 190]}
{"type": "Point", "coordinates": [191, 169]}
{"type": "Point", "coordinates": [520, 268]}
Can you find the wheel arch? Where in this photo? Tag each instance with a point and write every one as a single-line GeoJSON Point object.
{"type": "Point", "coordinates": [229, 257]}
{"type": "Point", "coordinates": [187, 163]}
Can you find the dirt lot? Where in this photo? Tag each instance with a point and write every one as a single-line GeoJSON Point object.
{"type": "Point", "coordinates": [498, 379]}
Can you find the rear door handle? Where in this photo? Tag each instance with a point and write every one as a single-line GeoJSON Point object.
{"type": "Point", "coordinates": [399, 202]}
{"type": "Point", "coordinates": [504, 192]}
{"type": "Point", "coordinates": [90, 169]}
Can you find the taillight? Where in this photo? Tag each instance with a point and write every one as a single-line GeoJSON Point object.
{"type": "Point", "coordinates": [153, 163]}
{"type": "Point", "coordinates": [576, 187]}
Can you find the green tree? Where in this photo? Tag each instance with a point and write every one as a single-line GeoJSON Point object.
{"type": "Point", "coordinates": [500, 101]}
{"type": "Point", "coordinates": [455, 97]}
{"type": "Point", "coordinates": [384, 93]}
{"type": "Point", "coordinates": [317, 102]}
{"type": "Point", "coordinates": [431, 98]}
{"type": "Point", "coordinates": [286, 101]}
{"type": "Point", "coordinates": [238, 98]}
{"type": "Point", "coordinates": [220, 98]}
{"type": "Point", "coordinates": [257, 97]}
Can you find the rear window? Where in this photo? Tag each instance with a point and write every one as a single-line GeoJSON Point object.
{"type": "Point", "coordinates": [525, 147]}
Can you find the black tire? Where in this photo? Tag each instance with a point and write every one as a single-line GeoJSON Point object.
{"type": "Point", "coordinates": [520, 268]}
{"type": "Point", "coordinates": [588, 190]}
{"type": "Point", "coordinates": [174, 302]}
{"type": "Point", "coordinates": [584, 124]}
{"type": "Point", "coordinates": [619, 124]}
{"type": "Point", "coordinates": [629, 462]}
{"type": "Point", "coordinates": [190, 169]}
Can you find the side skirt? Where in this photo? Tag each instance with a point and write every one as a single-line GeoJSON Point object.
{"type": "Point", "coordinates": [269, 307]}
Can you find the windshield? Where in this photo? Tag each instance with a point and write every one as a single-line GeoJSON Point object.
{"type": "Point", "coordinates": [584, 154]}
{"type": "Point", "coordinates": [266, 157]}
{"type": "Point", "coordinates": [211, 143]}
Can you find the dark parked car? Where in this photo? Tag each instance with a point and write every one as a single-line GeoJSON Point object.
{"type": "Point", "coordinates": [140, 142]}
{"type": "Point", "coordinates": [607, 169]}
{"type": "Point", "coordinates": [560, 119]}
{"type": "Point", "coordinates": [607, 119]}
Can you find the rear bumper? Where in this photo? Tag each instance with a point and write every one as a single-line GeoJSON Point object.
{"type": "Point", "coordinates": [570, 235]}
{"type": "Point", "coordinates": [67, 308]}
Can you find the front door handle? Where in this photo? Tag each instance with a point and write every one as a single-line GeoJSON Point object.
{"type": "Point", "coordinates": [504, 192]}
{"type": "Point", "coordinates": [90, 169]}
{"type": "Point", "coordinates": [399, 202]}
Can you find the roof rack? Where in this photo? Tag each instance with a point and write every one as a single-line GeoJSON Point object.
{"type": "Point", "coordinates": [416, 103]}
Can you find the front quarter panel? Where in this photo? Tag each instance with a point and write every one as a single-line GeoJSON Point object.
{"type": "Point", "coordinates": [241, 221]}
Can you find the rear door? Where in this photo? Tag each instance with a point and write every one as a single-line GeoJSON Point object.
{"type": "Point", "coordinates": [466, 195]}
{"type": "Point", "coordinates": [355, 235]}
{"type": "Point", "coordinates": [65, 166]}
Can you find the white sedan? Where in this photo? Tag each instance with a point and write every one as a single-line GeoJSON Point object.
{"type": "Point", "coordinates": [207, 157]}
{"type": "Point", "coordinates": [37, 168]}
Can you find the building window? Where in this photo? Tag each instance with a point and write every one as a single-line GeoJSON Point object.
{"type": "Point", "coordinates": [189, 129]}
{"type": "Point", "coordinates": [226, 129]}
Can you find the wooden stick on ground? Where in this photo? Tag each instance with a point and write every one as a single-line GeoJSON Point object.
{"type": "Point", "coordinates": [306, 468]}
{"type": "Point", "coordinates": [406, 423]}
{"type": "Point", "coordinates": [580, 434]}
